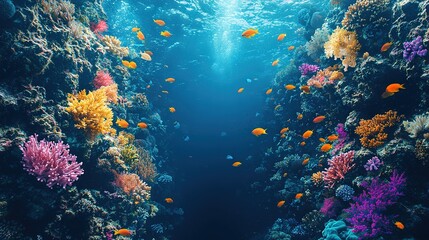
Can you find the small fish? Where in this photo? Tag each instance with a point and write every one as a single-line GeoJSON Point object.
{"type": "Point", "coordinates": [269, 91]}
{"type": "Point", "coordinates": [284, 130]}
{"type": "Point", "coordinates": [240, 90]}
{"type": "Point", "coordinates": [400, 225]}
{"type": "Point", "coordinates": [140, 35]}
{"type": "Point", "coordinates": [277, 107]}
{"type": "Point", "coordinates": [132, 65]}
{"type": "Point", "coordinates": [249, 33]}
{"type": "Point", "coordinates": [166, 34]}
{"type": "Point", "coordinates": [281, 203]}
{"type": "Point", "coordinates": [229, 157]}
{"type": "Point", "coordinates": [159, 22]}
{"type": "Point", "coordinates": [319, 119]}
{"type": "Point", "coordinates": [305, 89]}
{"type": "Point", "coordinates": [168, 200]}
{"type": "Point", "coordinates": [135, 29]}
{"type": "Point", "coordinates": [281, 37]}
{"type": "Point", "coordinates": [285, 174]}
{"type": "Point", "coordinates": [322, 140]}
{"type": "Point", "coordinates": [307, 134]}
{"type": "Point", "coordinates": [394, 87]}
{"type": "Point", "coordinates": [123, 232]}
{"type": "Point", "coordinates": [325, 147]}
{"type": "Point", "coordinates": [299, 195]}
{"type": "Point", "coordinates": [290, 87]}
{"type": "Point", "coordinates": [299, 116]}
{"type": "Point", "coordinates": [122, 123]}
{"type": "Point", "coordinates": [170, 80]}
{"type": "Point", "coordinates": [236, 164]}
{"type": "Point", "coordinates": [275, 62]}
{"type": "Point", "coordinates": [305, 161]}
{"type": "Point", "coordinates": [164, 91]}
{"type": "Point", "coordinates": [333, 137]}
{"type": "Point", "coordinates": [126, 63]}
{"type": "Point", "coordinates": [142, 125]}
{"type": "Point", "coordinates": [302, 143]}
{"type": "Point", "coordinates": [290, 48]}
{"type": "Point", "coordinates": [259, 131]}
{"type": "Point", "coordinates": [172, 109]}
{"type": "Point", "coordinates": [386, 46]}
{"type": "Point", "coordinates": [145, 56]}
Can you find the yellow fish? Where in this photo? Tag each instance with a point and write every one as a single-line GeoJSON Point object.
{"type": "Point", "coordinates": [236, 164]}
{"type": "Point", "coordinates": [325, 147]}
{"type": "Point", "coordinates": [159, 22]}
{"type": "Point", "coordinates": [307, 134]}
{"type": "Point", "coordinates": [240, 90]}
{"type": "Point", "coordinates": [135, 29]}
{"type": "Point", "coordinates": [126, 63]}
{"type": "Point", "coordinates": [298, 196]}
{"type": "Point", "coordinates": [172, 109]}
{"type": "Point", "coordinates": [281, 203]}
{"type": "Point", "coordinates": [249, 33]}
{"type": "Point", "coordinates": [400, 225]}
{"type": "Point", "coordinates": [132, 65]}
{"type": "Point", "coordinates": [259, 131]}
{"type": "Point", "coordinates": [122, 123]}
{"type": "Point", "coordinates": [140, 35]}
{"type": "Point", "coordinates": [275, 63]}
{"type": "Point", "coordinates": [281, 37]}
{"type": "Point", "coordinates": [169, 200]}
{"type": "Point", "coordinates": [268, 92]}
{"type": "Point", "coordinates": [290, 48]}
{"type": "Point", "coordinates": [142, 125]}
{"type": "Point", "coordinates": [305, 161]}
{"type": "Point", "coordinates": [277, 107]}
{"type": "Point", "coordinates": [299, 116]}
{"type": "Point", "coordinates": [290, 87]}
{"type": "Point", "coordinates": [170, 80]}
{"type": "Point", "coordinates": [123, 232]}
{"type": "Point", "coordinates": [166, 34]}
{"type": "Point", "coordinates": [284, 130]}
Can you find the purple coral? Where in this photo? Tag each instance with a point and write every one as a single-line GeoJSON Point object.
{"type": "Point", "coordinates": [342, 138]}
{"type": "Point", "coordinates": [367, 213]}
{"type": "Point", "coordinates": [306, 68]}
{"type": "Point", "coordinates": [50, 162]}
{"type": "Point", "coordinates": [413, 48]}
{"type": "Point", "coordinates": [373, 164]}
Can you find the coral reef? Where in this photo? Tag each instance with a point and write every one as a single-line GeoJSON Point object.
{"type": "Point", "coordinates": [338, 167]}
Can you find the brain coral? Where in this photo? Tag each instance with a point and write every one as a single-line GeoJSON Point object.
{"type": "Point", "coordinates": [344, 45]}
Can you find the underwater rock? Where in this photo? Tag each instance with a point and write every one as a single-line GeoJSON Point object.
{"type": "Point", "coordinates": [396, 151]}
{"type": "Point", "coordinates": [317, 20]}
{"type": "Point", "coordinates": [7, 9]}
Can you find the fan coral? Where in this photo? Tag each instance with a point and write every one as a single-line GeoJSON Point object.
{"type": "Point", "coordinates": [113, 45]}
{"type": "Point", "coordinates": [338, 167]}
{"type": "Point", "coordinates": [372, 132]}
{"type": "Point", "coordinates": [50, 162]}
{"type": "Point", "coordinates": [91, 113]}
{"type": "Point", "coordinates": [344, 45]}
{"type": "Point", "coordinates": [99, 27]}
{"type": "Point", "coordinates": [373, 164]}
{"type": "Point", "coordinates": [365, 12]}
{"type": "Point", "coordinates": [367, 212]}
{"type": "Point", "coordinates": [413, 48]}
{"type": "Point", "coordinates": [102, 78]}
{"type": "Point", "coordinates": [419, 125]}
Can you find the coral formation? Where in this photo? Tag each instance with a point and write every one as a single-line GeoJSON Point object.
{"type": "Point", "coordinates": [343, 45]}
{"type": "Point", "coordinates": [365, 12]}
{"type": "Point", "coordinates": [113, 45]}
{"type": "Point", "coordinates": [338, 166]}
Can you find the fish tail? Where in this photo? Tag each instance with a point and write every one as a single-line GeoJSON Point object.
{"type": "Point", "coordinates": [402, 86]}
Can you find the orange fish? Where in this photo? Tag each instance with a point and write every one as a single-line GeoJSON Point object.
{"type": "Point", "coordinates": [132, 65]}
{"type": "Point", "coordinates": [386, 46]}
{"type": "Point", "coordinates": [307, 134]}
{"type": "Point", "coordinates": [259, 131]}
{"type": "Point", "coordinates": [281, 203]}
{"type": "Point", "coordinates": [236, 164]}
{"type": "Point", "coordinates": [281, 37]}
{"type": "Point", "coordinates": [290, 48]}
{"type": "Point", "coordinates": [159, 22]}
{"type": "Point", "coordinates": [275, 63]}
{"type": "Point", "coordinates": [284, 130]}
{"type": "Point", "coordinates": [305, 89]}
{"type": "Point", "coordinates": [123, 232]}
{"type": "Point", "coordinates": [269, 91]}
{"type": "Point", "coordinates": [140, 35]}
{"type": "Point", "coordinates": [168, 200]}
{"type": "Point", "coordinates": [302, 143]}
{"type": "Point", "coordinates": [249, 33]}
{"type": "Point", "coordinates": [164, 91]}
{"type": "Point", "coordinates": [135, 29]}
{"type": "Point", "coordinates": [170, 80]}
{"type": "Point", "coordinates": [290, 87]}
{"type": "Point", "coordinates": [325, 147]}
{"type": "Point", "coordinates": [166, 34]}
{"type": "Point", "coordinates": [322, 140]}
{"type": "Point", "coordinates": [122, 123]}
{"type": "Point", "coordinates": [305, 161]}
{"type": "Point", "coordinates": [172, 109]}
{"type": "Point", "coordinates": [298, 196]}
{"type": "Point", "coordinates": [333, 137]}
{"type": "Point", "coordinates": [319, 119]}
{"type": "Point", "coordinates": [126, 63]}
{"type": "Point", "coordinates": [394, 87]}
{"type": "Point", "coordinates": [240, 90]}
{"type": "Point", "coordinates": [299, 116]}
{"type": "Point", "coordinates": [400, 225]}
{"type": "Point", "coordinates": [142, 125]}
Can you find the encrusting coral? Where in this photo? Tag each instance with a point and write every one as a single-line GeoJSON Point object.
{"type": "Point", "coordinates": [365, 12]}
{"type": "Point", "coordinates": [344, 45]}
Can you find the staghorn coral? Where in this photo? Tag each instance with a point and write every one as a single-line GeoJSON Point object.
{"type": "Point", "coordinates": [114, 46]}
{"type": "Point", "coordinates": [338, 166]}
{"type": "Point", "coordinates": [418, 126]}
{"type": "Point", "coordinates": [344, 45]}
{"type": "Point", "coordinates": [365, 12]}
{"type": "Point", "coordinates": [372, 132]}
{"type": "Point", "coordinates": [91, 113]}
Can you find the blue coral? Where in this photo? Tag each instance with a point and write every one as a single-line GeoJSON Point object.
{"type": "Point", "coordinates": [345, 192]}
{"type": "Point", "coordinates": [337, 230]}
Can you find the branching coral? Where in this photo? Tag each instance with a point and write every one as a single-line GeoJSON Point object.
{"type": "Point", "coordinates": [372, 132]}
{"type": "Point", "coordinates": [365, 12]}
{"type": "Point", "coordinates": [338, 167]}
{"type": "Point", "coordinates": [317, 178]}
{"type": "Point", "coordinates": [114, 46]}
{"type": "Point", "coordinates": [325, 77]}
{"type": "Point", "coordinates": [418, 126]}
{"type": "Point", "coordinates": [90, 112]}
{"type": "Point", "coordinates": [132, 185]}
{"type": "Point", "coordinates": [314, 47]}
{"type": "Point", "coordinates": [344, 45]}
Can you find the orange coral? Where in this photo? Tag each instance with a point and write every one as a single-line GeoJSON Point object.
{"type": "Point", "coordinates": [372, 132]}
{"type": "Point", "coordinates": [131, 184]}
{"type": "Point", "coordinates": [111, 92]}
{"type": "Point", "coordinates": [317, 178]}
{"type": "Point", "coordinates": [325, 76]}
{"type": "Point", "coordinates": [344, 45]}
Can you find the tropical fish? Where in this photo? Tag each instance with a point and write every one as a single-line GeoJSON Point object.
{"type": "Point", "coordinates": [277, 107]}
{"type": "Point", "coordinates": [236, 164]}
{"type": "Point", "coordinates": [400, 225]}
{"type": "Point", "coordinates": [299, 195]}
{"type": "Point", "coordinates": [322, 140]}
{"type": "Point", "coordinates": [132, 65]}
{"type": "Point", "coordinates": [305, 161]}
{"type": "Point", "coordinates": [281, 203]}
{"type": "Point", "coordinates": [166, 34]}
{"type": "Point", "coordinates": [140, 35]}
{"type": "Point", "coordinates": [365, 55]}
{"type": "Point", "coordinates": [319, 119]}
{"type": "Point", "coordinates": [386, 46]}
{"type": "Point", "coordinates": [142, 125]}
{"type": "Point", "coordinates": [394, 87]}
{"type": "Point", "coordinates": [299, 116]}
{"type": "Point", "coordinates": [145, 56]}
{"type": "Point", "coordinates": [305, 89]}
{"type": "Point", "coordinates": [275, 62]}
{"type": "Point", "coordinates": [249, 33]}
{"type": "Point", "coordinates": [168, 200]}
{"type": "Point", "coordinates": [123, 232]}
{"type": "Point", "coordinates": [290, 87]}
{"type": "Point", "coordinates": [281, 37]}
{"type": "Point", "coordinates": [284, 130]}
{"type": "Point", "coordinates": [135, 29]}
{"type": "Point", "coordinates": [170, 80]}
{"type": "Point", "coordinates": [172, 109]}
{"type": "Point", "coordinates": [164, 91]}
{"type": "Point", "coordinates": [325, 147]}
{"type": "Point", "coordinates": [307, 134]}
{"type": "Point", "coordinates": [333, 137]}
{"type": "Point", "coordinates": [259, 131]}
{"type": "Point", "coordinates": [290, 48]}
{"type": "Point", "coordinates": [159, 22]}
{"type": "Point", "coordinates": [285, 174]}
{"type": "Point", "coordinates": [268, 92]}
{"type": "Point", "coordinates": [122, 123]}
{"type": "Point", "coordinates": [126, 63]}
{"type": "Point", "coordinates": [302, 143]}
{"type": "Point", "coordinates": [240, 90]}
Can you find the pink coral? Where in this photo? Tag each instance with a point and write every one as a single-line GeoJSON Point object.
{"type": "Point", "coordinates": [338, 167]}
{"type": "Point", "coordinates": [102, 79]}
{"type": "Point", "coordinates": [99, 27]}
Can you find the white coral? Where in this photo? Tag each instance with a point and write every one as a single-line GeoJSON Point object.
{"type": "Point", "coordinates": [418, 125]}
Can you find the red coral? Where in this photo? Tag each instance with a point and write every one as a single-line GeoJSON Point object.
{"type": "Point", "coordinates": [102, 78]}
{"type": "Point", "coordinates": [338, 167]}
{"type": "Point", "coordinates": [99, 27]}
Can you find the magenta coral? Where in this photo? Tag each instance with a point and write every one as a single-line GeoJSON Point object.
{"type": "Point", "coordinates": [338, 167]}
{"type": "Point", "coordinates": [50, 162]}
{"type": "Point", "coordinates": [306, 68]}
{"type": "Point", "coordinates": [102, 79]}
{"type": "Point", "coordinates": [99, 27]}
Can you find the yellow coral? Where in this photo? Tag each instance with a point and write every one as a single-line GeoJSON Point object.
{"type": "Point", "coordinates": [372, 132]}
{"type": "Point", "coordinates": [317, 178]}
{"type": "Point", "coordinates": [113, 45]}
{"type": "Point", "coordinates": [344, 45]}
{"type": "Point", "coordinates": [90, 112]}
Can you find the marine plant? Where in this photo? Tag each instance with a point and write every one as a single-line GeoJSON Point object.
{"type": "Point", "coordinates": [338, 166]}
{"type": "Point", "coordinates": [344, 45]}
